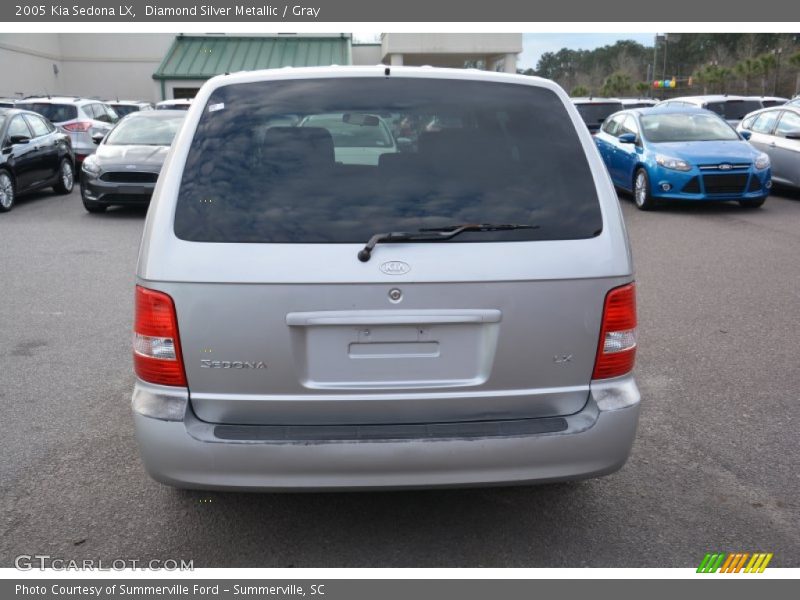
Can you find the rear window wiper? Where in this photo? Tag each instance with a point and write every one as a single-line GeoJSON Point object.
{"type": "Point", "coordinates": [434, 234]}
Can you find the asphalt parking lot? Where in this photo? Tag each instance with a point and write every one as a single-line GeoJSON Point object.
{"type": "Point", "coordinates": [716, 465]}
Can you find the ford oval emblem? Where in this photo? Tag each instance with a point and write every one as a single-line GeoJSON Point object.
{"type": "Point", "coordinates": [725, 167]}
{"type": "Point", "coordinates": [395, 267]}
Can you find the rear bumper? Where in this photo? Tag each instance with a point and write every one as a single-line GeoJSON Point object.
{"type": "Point", "coordinates": [187, 453]}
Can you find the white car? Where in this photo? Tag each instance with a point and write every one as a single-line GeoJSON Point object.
{"type": "Point", "coordinates": [731, 108]}
{"type": "Point", "coordinates": [125, 107]}
{"type": "Point", "coordinates": [174, 104]}
{"type": "Point", "coordinates": [357, 138]}
{"type": "Point", "coordinates": [594, 110]}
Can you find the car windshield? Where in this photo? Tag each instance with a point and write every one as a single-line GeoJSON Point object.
{"type": "Point", "coordinates": [686, 127]}
{"type": "Point", "coordinates": [595, 113]}
{"type": "Point", "coordinates": [56, 113]}
{"type": "Point", "coordinates": [144, 131]}
{"type": "Point", "coordinates": [465, 152]}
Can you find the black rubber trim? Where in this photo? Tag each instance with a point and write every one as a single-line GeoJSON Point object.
{"type": "Point", "coordinates": [423, 431]}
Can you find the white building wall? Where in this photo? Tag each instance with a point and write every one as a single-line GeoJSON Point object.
{"type": "Point", "coordinates": [91, 65]}
{"type": "Point", "coordinates": [367, 54]}
{"type": "Point", "coordinates": [451, 43]}
{"type": "Point", "coordinates": [111, 65]}
{"type": "Point", "coordinates": [26, 64]}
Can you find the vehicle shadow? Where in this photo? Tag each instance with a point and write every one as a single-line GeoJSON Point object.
{"type": "Point", "coordinates": [709, 207]}
{"type": "Point", "coordinates": [424, 528]}
{"type": "Point", "coordinates": [121, 212]}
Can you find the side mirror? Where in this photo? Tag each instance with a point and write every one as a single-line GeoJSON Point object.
{"type": "Point", "coordinates": [746, 135]}
{"type": "Point", "coordinates": [18, 139]}
{"type": "Point", "coordinates": [98, 137]}
{"type": "Point", "coordinates": [627, 138]}
{"type": "Point", "coordinates": [792, 135]}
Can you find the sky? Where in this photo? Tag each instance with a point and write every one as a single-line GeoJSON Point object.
{"type": "Point", "coordinates": [536, 44]}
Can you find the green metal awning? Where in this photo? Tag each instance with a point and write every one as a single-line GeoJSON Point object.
{"type": "Point", "coordinates": [201, 57]}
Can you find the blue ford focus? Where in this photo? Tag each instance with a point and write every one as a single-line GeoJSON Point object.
{"type": "Point", "coordinates": [681, 153]}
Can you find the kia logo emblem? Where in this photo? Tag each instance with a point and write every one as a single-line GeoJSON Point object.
{"type": "Point", "coordinates": [395, 267]}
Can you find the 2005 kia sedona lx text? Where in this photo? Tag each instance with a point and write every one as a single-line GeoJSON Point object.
{"type": "Point", "coordinates": [371, 277]}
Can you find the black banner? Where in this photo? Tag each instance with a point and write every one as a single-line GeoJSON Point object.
{"type": "Point", "coordinates": [712, 586]}
{"type": "Point", "coordinates": [468, 11]}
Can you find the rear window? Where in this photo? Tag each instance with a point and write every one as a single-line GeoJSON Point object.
{"type": "Point", "coordinates": [734, 110]}
{"type": "Point", "coordinates": [123, 110]}
{"type": "Point", "coordinates": [56, 113]}
{"type": "Point", "coordinates": [338, 160]}
{"type": "Point", "coordinates": [593, 114]}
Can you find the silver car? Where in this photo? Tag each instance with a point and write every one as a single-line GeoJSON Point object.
{"type": "Point", "coordinates": [81, 118]}
{"type": "Point", "coordinates": [776, 132]}
{"type": "Point", "coordinates": [729, 107]}
{"type": "Point", "coordinates": [460, 313]}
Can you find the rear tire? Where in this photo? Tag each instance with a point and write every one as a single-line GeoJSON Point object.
{"type": "Point", "coordinates": [66, 177]}
{"type": "Point", "coordinates": [755, 203]}
{"type": "Point", "coordinates": [641, 191]}
{"type": "Point", "coordinates": [7, 191]}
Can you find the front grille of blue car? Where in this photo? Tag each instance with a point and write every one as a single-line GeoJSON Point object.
{"type": "Point", "coordinates": [692, 186]}
{"type": "Point", "coordinates": [755, 184]}
{"type": "Point", "coordinates": [725, 184]}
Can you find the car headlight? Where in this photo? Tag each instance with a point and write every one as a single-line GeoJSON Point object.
{"type": "Point", "coordinates": [676, 164]}
{"type": "Point", "coordinates": [762, 161]}
{"type": "Point", "coordinates": [90, 167]}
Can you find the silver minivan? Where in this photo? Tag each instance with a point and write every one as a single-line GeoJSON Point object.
{"type": "Point", "coordinates": [461, 312]}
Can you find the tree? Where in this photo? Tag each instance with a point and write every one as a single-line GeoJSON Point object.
{"type": "Point", "coordinates": [747, 69]}
{"type": "Point", "coordinates": [794, 60]}
{"type": "Point", "coordinates": [579, 90]}
{"type": "Point", "coordinates": [724, 75]}
{"type": "Point", "coordinates": [642, 88]}
{"type": "Point", "coordinates": [617, 84]}
{"type": "Point", "coordinates": [768, 62]}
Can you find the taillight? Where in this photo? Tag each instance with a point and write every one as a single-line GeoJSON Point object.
{"type": "Point", "coordinates": [617, 349]}
{"type": "Point", "coordinates": [156, 344]}
{"type": "Point", "coordinates": [81, 126]}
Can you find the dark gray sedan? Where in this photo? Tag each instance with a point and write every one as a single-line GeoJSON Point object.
{"type": "Point", "coordinates": [125, 168]}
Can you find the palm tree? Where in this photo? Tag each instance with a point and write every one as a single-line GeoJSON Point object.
{"type": "Point", "coordinates": [747, 69]}
{"type": "Point", "coordinates": [617, 84]}
{"type": "Point", "coordinates": [768, 62]}
{"type": "Point", "coordinates": [642, 88]}
{"type": "Point", "coordinates": [579, 91]}
{"type": "Point", "coordinates": [794, 60]}
{"type": "Point", "coordinates": [712, 76]}
{"type": "Point", "coordinates": [724, 75]}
